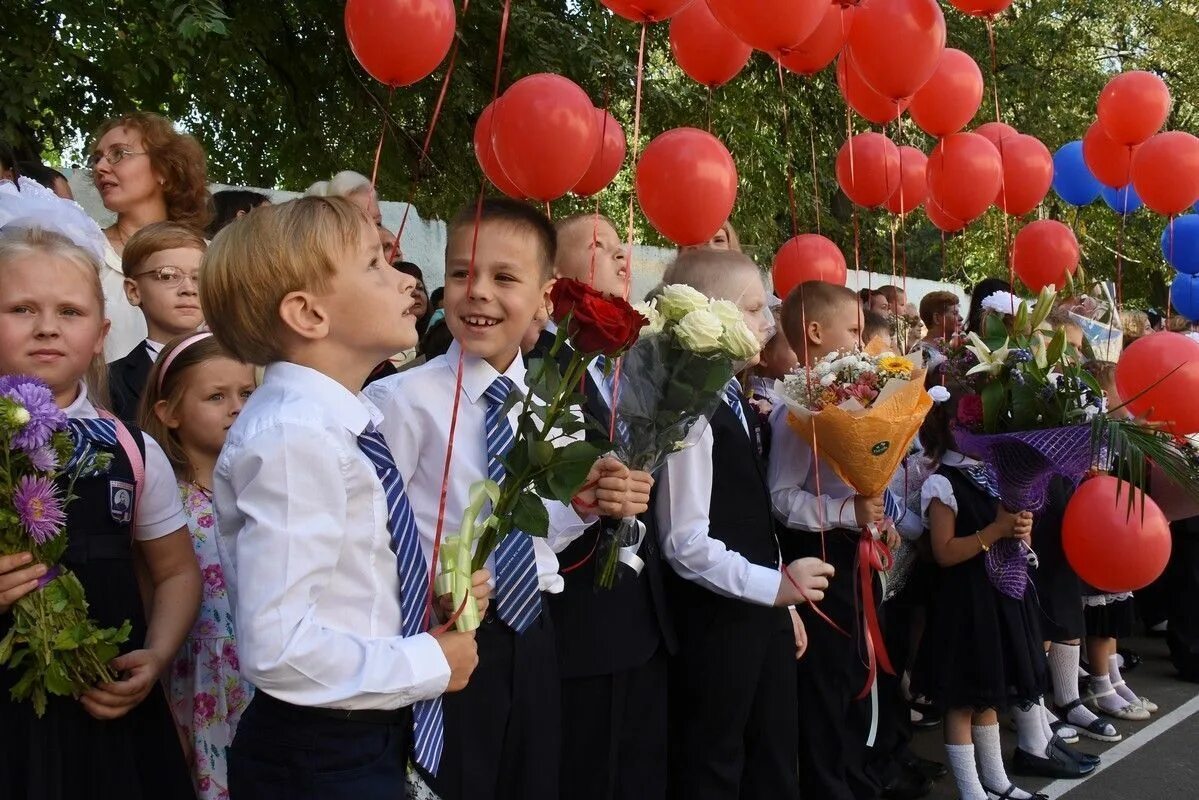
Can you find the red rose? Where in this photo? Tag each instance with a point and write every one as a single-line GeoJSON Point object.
{"type": "Point", "coordinates": [595, 322]}
{"type": "Point", "coordinates": [970, 412]}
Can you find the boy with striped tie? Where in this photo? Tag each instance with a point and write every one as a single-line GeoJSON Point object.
{"type": "Point", "coordinates": [502, 732]}
{"type": "Point", "coordinates": [318, 544]}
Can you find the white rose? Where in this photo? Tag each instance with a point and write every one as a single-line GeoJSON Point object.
{"type": "Point", "coordinates": [828, 380]}
{"type": "Point", "coordinates": [678, 300]}
{"type": "Point", "coordinates": [650, 312]}
{"type": "Point", "coordinates": [739, 342]}
{"type": "Point", "coordinates": [727, 312]}
{"type": "Point", "coordinates": [700, 331]}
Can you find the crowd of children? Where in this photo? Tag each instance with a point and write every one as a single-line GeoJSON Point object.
{"type": "Point", "coordinates": [273, 543]}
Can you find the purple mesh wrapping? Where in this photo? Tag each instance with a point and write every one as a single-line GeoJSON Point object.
{"type": "Point", "coordinates": [1024, 462]}
{"type": "Point", "coordinates": [1007, 568]}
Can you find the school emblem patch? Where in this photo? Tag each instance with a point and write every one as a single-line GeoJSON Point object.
{"type": "Point", "coordinates": [120, 501]}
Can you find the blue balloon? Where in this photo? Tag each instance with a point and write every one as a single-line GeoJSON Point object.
{"type": "Point", "coordinates": [1072, 179]}
{"type": "Point", "coordinates": [1123, 201]}
{"type": "Point", "coordinates": [1184, 296]}
{"type": "Point", "coordinates": [1180, 247]}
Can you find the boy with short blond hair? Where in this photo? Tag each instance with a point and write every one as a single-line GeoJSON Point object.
{"type": "Point", "coordinates": [161, 263]}
{"type": "Point", "coordinates": [501, 733]}
{"type": "Point", "coordinates": [820, 318]}
{"type": "Point", "coordinates": [325, 572]}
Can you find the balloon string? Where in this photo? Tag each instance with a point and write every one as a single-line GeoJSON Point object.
{"type": "Point", "coordinates": [596, 216]}
{"type": "Point", "coordinates": [628, 275]}
{"type": "Point", "coordinates": [709, 109]}
{"type": "Point", "coordinates": [857, 262]}
{"type": "Point", "coordinates": [548, 213]}
{"type": "Point", "coordinates": [1170, 250]}
{"type": "Point", "coordinates": [815, 182]}
{"type": "Point", "coordinates": [1120, 253]}
{"type": "Point", "coordinates": [787, 150]}
{"type": "Point", "coordinates": [382, 136]}
{"type": "Point", "coordinates": [470, 278]}
{"type": "Point", "coordinates": [994, 66]}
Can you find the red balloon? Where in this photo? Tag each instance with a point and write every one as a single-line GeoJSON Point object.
{"type": "Point", "coordinates": [686, 184]}
{"type": "Point", "coordinates": [913, 181]}
{"type": "Point", "coordinates": [868, 169]}
{"type": "Point", "coordinates": [545, 135]}
{"type": "Point", "coordinates": [1133, 106]}
{"type": "Point", "coordinates": [1111, 546]}
{"type": "Point", "coordinates": [1045, 252]}
{"type": "Point", "coordinates": [1108, 161]}
{"type": "Point", "coordinates": [964, 173]}
{"type": "Point", "coordinates": [400, 42]}
{"type": "Point", "coordinates": [896, 44]}
{"type": "Point", "coordinates": [818, 50]}
{"type": "Point", "coordinates": [869, 104]}
{"type": "Point", "coordinates": [1157, 377]}
{"type": "Point", "coordinates": [995, 132]}
{"type": "Point", "coordinates": [807, 257]}
{"type": "Point", "coordinates": [1027, 174]}
{"type": "Point", "coordinates": [646, 10]}
{"type": "Point", "coordinates": [485, 155]}
{"type": "Point", "coordinates": [609, 156]}
{"type": "Point", "coordinates": [775, 26]}
{"type": "Point", "coordinates": [942, 221]}
{"type": "Point", "coordinates": [707, 51]}
{"type": "Point", "coordinates": [1165, 172]}
{"type": "Point", "coordinates": [981, 8]}
{"type": "Point", "coordinates": [951, 97]}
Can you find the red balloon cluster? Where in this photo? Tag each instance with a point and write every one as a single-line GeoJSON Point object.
{"type": "Point", "coordinates": [400, 42]}
{"type": "Point", "coordinates": [1027, 174]}
{"type": "Point", "coordinates": [646, 10]}
{"type": "Point", "coordinates": [1157, 377]}
{"type": "Point", "coordinates": [868, 169]}
{"type": "Point", "coordinates": [896, 44]}
{"type": "Point", "coordinates": [818, 50]}
{"type": "Point", "coordinates": [686, 185]}
{"type": "Point", "coordinates": [858, 95]}
{"type": "Point", "coordinates": [1111, 546]}
{"type": "Point", "coordinates": [981, 8]}
{"type": "Point", "coordinates": [1165, 172]}
{"type": "Point", "coordinates": [1045, 253]}
{"type": "Point", "coordinates": [965, 174]}
{"type": "Point", "coordinates": [913, 181]}
{"type": "Point", "coordinates": [951, 97]}
{"type": "Point", "coordinates": [775, 26]}
{"type": "Point", "coordinates": [543, 138]}
{"type": "Point", "coordinates": [807, 257]}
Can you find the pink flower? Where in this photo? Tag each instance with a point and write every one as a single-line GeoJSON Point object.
{"type": "Point", "coordinates": [214, 579]}
{"type": "Point", "coordinates": [204, 707]}
{"type": "Point", "coordinates": [205, 521]}
{"type": "Point", "coordinates": [229, 652]}
{"type": "Point", "coordinates": [205, 783]}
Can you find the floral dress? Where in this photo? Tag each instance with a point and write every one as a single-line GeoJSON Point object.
{"type": "Point", "coordinates": [206, 692]}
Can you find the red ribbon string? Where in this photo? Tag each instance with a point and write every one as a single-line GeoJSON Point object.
{"type": "Point", "coordinates": [787, 149]}
{"type": "Point", "coordinates": [470, 276]}
{"type": "Point", "coordinates": [873, 556]}
{"type": "Point", "coordinates": [815, 182]}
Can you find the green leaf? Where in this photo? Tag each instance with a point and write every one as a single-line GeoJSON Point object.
{"type": "Point", "coordinates": [6, 645]}
{"type": "Point", "coordinates": [1057, 346]}
{"type": "Point", "coordinates": [540, 452]}
{"type": "Point", "coordinates": [530, 515]}
{"type": "Point", "coordinates": [569, 470]}
{"type": "Point", "coordinates": [57, 680]}
{"type": "Point", "coordinates": [994, 405]}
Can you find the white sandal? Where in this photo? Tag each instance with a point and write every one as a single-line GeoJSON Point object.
{"type": "Point", "coordinates": [1143, 702]}
{"type": "Point", "coordinates": [1130, 711]}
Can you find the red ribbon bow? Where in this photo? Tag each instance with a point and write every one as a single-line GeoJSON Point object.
{"type": "Point", "coordinates": [873, 556]}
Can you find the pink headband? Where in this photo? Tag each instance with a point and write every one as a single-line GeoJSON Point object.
{"type": "Point", "coordinates": [186, 343]}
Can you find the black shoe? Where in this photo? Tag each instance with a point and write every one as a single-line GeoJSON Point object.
{"type": "Point", "coordinates": [907, 785]}
{"type": "Point", "coordinates": [1055, 765]}
{"type": "Point", "coordinates": [933, 770]}
{"type": "Point", "coordinates": [1085, 759]}
{"type": "Point", "coordinates": [1131, 659]}
{"type": "Point", "coordinates": [930, 717]}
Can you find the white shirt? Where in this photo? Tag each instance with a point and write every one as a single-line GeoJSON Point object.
{"type": "Point", "coordinates": [681, 509]}
{"type": "Point", "coordinates": [417, 409]}
{"type": "Point", "coordinates": [793, 486]}
{"type": "Point", "coordinates": [128, 326]}
{"type": "Point", "coordinates": [304, 547]}
{"type": "Point", "coordinates": [159, 509]}
{"type": "Point", "coordinates": [154, 349]}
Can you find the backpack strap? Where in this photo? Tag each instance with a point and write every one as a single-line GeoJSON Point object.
{"type": "Point", "coordinates": [136, 460]}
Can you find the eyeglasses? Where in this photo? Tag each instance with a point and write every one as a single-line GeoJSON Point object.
{"type": "Point", "coordinates": [113, 155]}
{"type": "Point", "coordinates": [170, 277]}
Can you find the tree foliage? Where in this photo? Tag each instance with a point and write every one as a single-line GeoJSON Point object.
{"type": "Point", "coordinates": [272, 92]}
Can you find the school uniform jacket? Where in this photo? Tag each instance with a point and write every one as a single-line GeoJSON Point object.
{"type": "Point", "coordinates": [127, 378]}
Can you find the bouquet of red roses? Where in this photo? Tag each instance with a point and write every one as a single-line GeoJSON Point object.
{"type": "Point", "coordinates": [550, 459]}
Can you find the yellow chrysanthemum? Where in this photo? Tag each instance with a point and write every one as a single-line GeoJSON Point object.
{"type": "Point", "coordinates": [896, 365]}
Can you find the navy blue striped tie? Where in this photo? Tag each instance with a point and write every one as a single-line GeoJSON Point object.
{"type": "Point", "coordinates": [517, 598]}
{"type": "Point", "coordinates": [732, 395]}
{"type": "Point", "coordinates": [88, 435]}
{"type": "Point", "coordinates": [622, 427]}
{"type": "Point", "coordinates": [427, 716]}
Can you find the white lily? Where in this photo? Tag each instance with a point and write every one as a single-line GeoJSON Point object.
{"type": "Point", "coordinates": [989, 361]}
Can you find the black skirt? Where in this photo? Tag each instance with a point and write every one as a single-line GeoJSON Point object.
{"type": "Point", "coordinates": [981, 649]}
{"type": "Point", "coordinates": [1059, 591]}
{"type": "Point", "coordinates": [1113, 620]}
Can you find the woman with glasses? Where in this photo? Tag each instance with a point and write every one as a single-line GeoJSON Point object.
{"type": "Point", "coordinates": [145, 172]}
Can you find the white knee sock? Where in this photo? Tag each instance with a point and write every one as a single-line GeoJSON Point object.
{"type": "Point", "coordinates": [990, 761]}
{"type": "Point", "coordinates": [1063, 668]}
{"type": "Point", "coordinates": [1110, 703]}
{"type": "Point", "coordinates": [1032, 730]}
{"type": "Point", "coordinates": [1113, 671]}
{"type": "Point", "coordinates": [1048, 718]}
{"type": "Point", "coordinates": [965, 773]}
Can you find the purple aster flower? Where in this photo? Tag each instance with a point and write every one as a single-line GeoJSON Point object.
{"type": "Point", "coordinates": [45, 417]}
{"type": "Point", "coordinates": [44, 459]}
{"type": "Point", "coordinates": [38, 508]}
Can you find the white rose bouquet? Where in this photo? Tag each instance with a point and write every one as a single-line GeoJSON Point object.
{"type": "Point", "coordinates": [671, 382]}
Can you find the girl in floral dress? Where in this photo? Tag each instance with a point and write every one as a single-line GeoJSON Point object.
{"type": "Point", "coordinates": [194, 393]}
